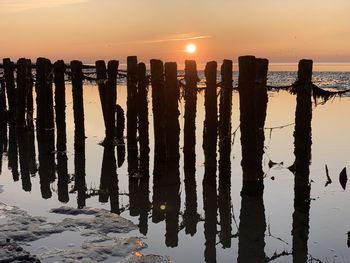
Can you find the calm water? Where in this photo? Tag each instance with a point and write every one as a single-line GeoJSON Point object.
{"type": "Point", "coordinates": [325, 223]}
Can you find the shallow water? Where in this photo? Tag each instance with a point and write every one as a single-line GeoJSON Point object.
{"type": "Point", "coordinates": [324, 225]}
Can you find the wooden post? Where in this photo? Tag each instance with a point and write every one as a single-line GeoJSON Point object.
{"type": "Point", "coordinates": [302, 152]}
{"type": "Point", "coordinates": [158, 107]}
{"type": "Point", "coordinates": [252, 185]}
{"type": "Point", "coordinates": [191, 216]}
{"type": "Point", "coordinates": [78, 106]}
{"type": "Point", "coordinates": [172, 127]}
{"type": "Point", "coordinates": [131, 101]}
{"type": "Point", "coordinates": [29, 98]}
{"type": "Point", "coordinates": [107, 91]}
{"type": "Point", "coordinates": [44, 76]}
{"type": "Point", "coordinates": [211, 121]}
{"type": "Point", "coordinates": [112, 70]}
{"type": "Point", "coordinates": [3, 104]}
{"type": "Point", "coordinates": [60, 104]}
{"type": "Point", "coordinates": [9, 68]}
{"type": "Point", "coordinates": [142, 111]}
{"type": "Point", "coordinates": [21, 92]}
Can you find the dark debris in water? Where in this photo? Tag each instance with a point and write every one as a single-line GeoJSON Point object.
{"type": "Point", "coordinates": [343, 178]}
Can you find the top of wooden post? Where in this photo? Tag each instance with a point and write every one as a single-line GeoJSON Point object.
{"type": "Point", "coordinates": [262, 65]}
{"type": "Point", "coordinates": [210, 72]}
{"type": "Point", "coordinates": [247, 67]}
{"type": "Point", "coordinates": [305, 70]}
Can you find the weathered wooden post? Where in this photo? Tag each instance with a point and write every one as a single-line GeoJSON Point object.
{"type": "Point", "coordinates": [172, 126]}
{"type": "Point", "coordinates": [29, 98]}
{"type": "Point", "coordinates": [3, 103]}
{"type": "Point", "coordinates": [302, 152]}
{"type": "Point", "coordinates": [78, 106]}
{"type": "Point", "coordinates": [225, 111]}
{"type": "Point", "coordinates": [21, 93]}
{"type": "Point", "coordinates": [112, 71]}
{"type": "Point", "coordinates": [157, 80]}
{"type": "Point", "coordinates": [252, 184]}
{"type": "Point", "coordinates": [9, 68]}
{"type": "Point", "coordinates": [191, 217]}
{"type": "Point", "coordinates": [60, 104]}
{"type": "Point", "coordinates": [211, 119]}
{"type": "Point", "coordinates": [131, 102]}
{"type": "Point", "coordinates": [107, 91]}
{"type": "Point", "coordinates": [44, 97]}
{"type": "Point", "coordinates": [142, 112]}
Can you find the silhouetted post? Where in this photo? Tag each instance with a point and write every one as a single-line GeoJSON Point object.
{"type": "Point", "coordinates": [9, 68]}
{"type": "Point", "coordinates": [29, 99]}
{"type": "Point", "coordinates": [112, 71]}
{"type": "Point", "coordinates": [172, 127]}
{"type": "Point", "coordinates": [21, 92]}
{"type": "Point", "coordinates": [60, 104]}
{"type": "Point", "coordinates": [33, 167]}
{"type": "Point", "coordinates": [261, 99]}
{"type": "Point", "coordinates": [142, 111]}
{"type": "Point", "coordinates": [191, 217]}
{"type": "Point", "coordinates": [3, 143]}
{"type": "Point", "coordinates": [107, 91]}
{"type": "Point", "coordinates": [63, 177]}
{"type": "Point", "coordinates": [158, 106]}
{"type": "Point", "coordinates": [131, 101]}
{"type": "Point", "coordinates": [44, 99]}
{"type": "Point", "coordinates": [248, 125]}
{"type": "Point", "coordinates": [78, 105]}
{"type": "Point", "coordinates": [211, 119]}
{"type": "Point", "coordinates": [302, 152]}
{"type": "Point", "coordinates": [225, 107]}
{"type": "Point", "coordinates": [3, 103]}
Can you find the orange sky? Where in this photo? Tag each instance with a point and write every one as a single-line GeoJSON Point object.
{"type": "Point", "coordinates": [280, 30]}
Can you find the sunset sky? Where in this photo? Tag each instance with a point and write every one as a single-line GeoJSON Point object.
{"type": "Point", "coordinates": [280, 30]}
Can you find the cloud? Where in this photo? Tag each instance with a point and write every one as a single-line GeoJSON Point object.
{"type": "Point", "coordinates": [16, 6]}
{"type": "Point", "coordinates": [171, 38]}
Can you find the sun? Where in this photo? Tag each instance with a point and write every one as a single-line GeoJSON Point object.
{"type": "Point", "coordinates": [191, 48]}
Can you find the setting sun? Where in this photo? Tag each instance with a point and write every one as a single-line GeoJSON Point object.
{"type": "Point", "coordinates": [191, 48]}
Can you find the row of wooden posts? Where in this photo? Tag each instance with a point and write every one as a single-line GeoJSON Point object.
{"type": "Point", "coordinates": [166, 177]}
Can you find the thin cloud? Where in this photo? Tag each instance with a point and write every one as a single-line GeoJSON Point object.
{"type": "Point", "coordinates": [170, 39]}
{"type": "Point", "coordinates": [16, 6]}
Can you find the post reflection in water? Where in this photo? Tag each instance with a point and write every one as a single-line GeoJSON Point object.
{"type": "Point", "coordinates": [13, 153]}
{"type": "Point", "coordinates": [109, 180]}
{"type": "Point", "coordinates": [46, 147]}
{"type": "Point", "coordinates": [252, 226]}
{"type": "Point", "coordinates": [302, 152]}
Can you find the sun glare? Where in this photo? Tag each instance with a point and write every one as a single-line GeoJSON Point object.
{"type": "Point", "coordinates": [191, 48]}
